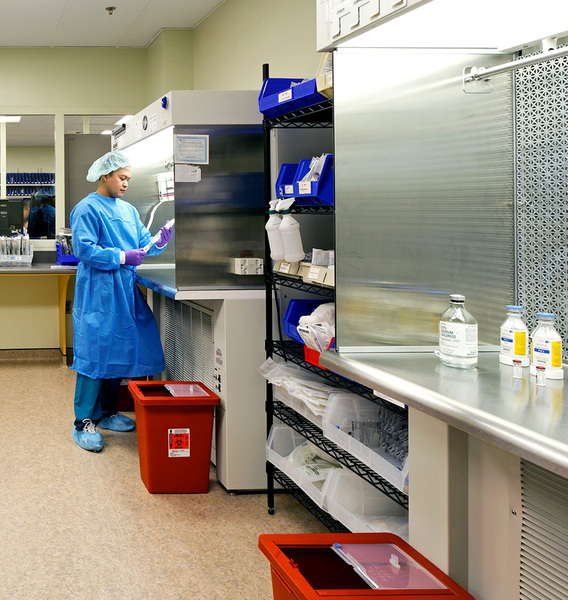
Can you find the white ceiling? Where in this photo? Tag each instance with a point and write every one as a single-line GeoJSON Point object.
{"type": "Point", "coordinates": [86, 23]}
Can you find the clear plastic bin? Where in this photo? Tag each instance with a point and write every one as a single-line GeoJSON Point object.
{"type": "Point", "coordinates": [361, 507]}
{"type": "Point", "coordinates": [13, 260]}
{"type": "Point", "coordinates": [347, 411]}
{"type": "Point", "coordinates": [298, 405]}
{"type": "Point", "coordinates": [282, 441]}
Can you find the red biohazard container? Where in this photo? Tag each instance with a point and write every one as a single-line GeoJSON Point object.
{"type": "Point", "coordinates": [174, 423]}
{"type": "Point", "coordinates": [353, 566]}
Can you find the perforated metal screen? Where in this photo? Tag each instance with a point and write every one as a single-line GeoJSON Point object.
{"type": "Point", "coordinates": [189, 343]}
{"type": "Point", "coordinates": [541, 99]}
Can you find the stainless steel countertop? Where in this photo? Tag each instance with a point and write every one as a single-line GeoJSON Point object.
{"type": "Point", "coordinates": [514, 414]}
{"type": "Point", "coordinates": [38, 269]}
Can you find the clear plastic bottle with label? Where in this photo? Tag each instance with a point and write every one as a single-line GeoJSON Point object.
{"type": "Point", "coordinates": [514, 338]}
{"type": "Point", "coordinates": [546, 350]}
{"type": "Point", "coordinates": [458, 346]}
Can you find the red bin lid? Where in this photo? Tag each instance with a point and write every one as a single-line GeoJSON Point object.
{"type": "Point", "coordinates": [172, 393]}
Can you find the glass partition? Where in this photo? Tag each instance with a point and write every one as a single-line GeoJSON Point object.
{"type": "Point", "coordinates": [30, 172]}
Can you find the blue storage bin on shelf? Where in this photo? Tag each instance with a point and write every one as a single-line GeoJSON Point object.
{"type": "Point", "coordinates": [279, 96]}
{"type": "Point", "coordinates": [318, 192]}
{"type": "Point", "coordinates": [285, 180]}
{"type": "Point", "coordinates": [65, 259]}
{"type": "Point", "coordinates": [298, 308]}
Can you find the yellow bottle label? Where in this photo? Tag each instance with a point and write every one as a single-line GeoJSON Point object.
{"type": "Point", "coordinates": [520, 343]}
{"type": "Point", "coordinates": [556, 354]}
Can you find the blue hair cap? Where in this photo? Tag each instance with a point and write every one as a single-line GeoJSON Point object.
{"type": "Point", "coordinates": [106, 164]}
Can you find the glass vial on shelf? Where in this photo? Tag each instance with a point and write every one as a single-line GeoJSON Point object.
{"type": "Point", "coordinates": [546, 350]}
{"type": "Point", "coordinates": [517, 369]}
{"type": "Point", "coordinates": [541, 375]}
{"type": "Point", "coordinates": [458, 335]}
{"type": "Point", "coordinates": [514, 338]}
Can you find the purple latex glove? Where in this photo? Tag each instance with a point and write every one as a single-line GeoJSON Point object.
{"type": "Point", "coordinates": [166, 234]}
{"type": "Point", "coordinates": [134, 257]}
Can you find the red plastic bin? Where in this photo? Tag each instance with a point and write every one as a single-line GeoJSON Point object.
{"type": "Point", "coordinates": [174, 424]}
{"type": "Point", "coordinates": [348, 566]}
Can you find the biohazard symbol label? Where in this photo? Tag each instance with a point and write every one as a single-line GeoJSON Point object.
{"type": "Point", "coordinates": [178, 443]}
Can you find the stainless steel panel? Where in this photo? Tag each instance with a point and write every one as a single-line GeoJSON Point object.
{"type": "Point", "coordinates": [424, 195]}
{"type": "Point", "coordinates": [218, 218]}
{"type": "Point", "coordinates": [222, 216]}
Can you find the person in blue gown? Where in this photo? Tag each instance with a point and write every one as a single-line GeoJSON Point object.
{"type": "Point", "coordinates": [115, 334]}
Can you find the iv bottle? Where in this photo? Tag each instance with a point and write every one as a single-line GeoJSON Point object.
{"type": "Point", "coordinates": [290, 233]}
{"type": "Point", "coordinates": [273, 231]}
{"type": "Point", "coordinates": [458, 335]}
{"type": "Point", "coordinates": [546, 348]}
{"type": "Point", "coordinates": [514, 338]}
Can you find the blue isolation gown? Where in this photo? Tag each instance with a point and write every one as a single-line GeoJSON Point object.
{"type": "Point", "coordinates": [114, 331]}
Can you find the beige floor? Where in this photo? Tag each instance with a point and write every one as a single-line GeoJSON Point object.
{"type": "Point", "coordinates": [74, 524]}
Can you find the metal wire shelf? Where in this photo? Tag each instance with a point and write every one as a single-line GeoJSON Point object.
{"type": "Point", "coordinates": [318, 115]}
{"type": "Point", "coordinates": [314, 434]}
{"type": "Point", "coordinates": [320, 514]}
{"type": "Point", "coordinates": [294, 352]}
{"type": "Point", "coordinates": [299, 284]}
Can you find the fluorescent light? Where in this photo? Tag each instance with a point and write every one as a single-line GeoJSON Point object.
{"type": "Point", "coordinates": [106, 132]}
{"type": "Point", "coordinates": [4, 119]}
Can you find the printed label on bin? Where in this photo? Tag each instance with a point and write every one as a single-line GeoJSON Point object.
{"type": "Point", "coordinates": [305, 187]}
{"type": "Point", "coordinates": [284, 96]}
{"type": "Point", "coordinates": [178, 443]}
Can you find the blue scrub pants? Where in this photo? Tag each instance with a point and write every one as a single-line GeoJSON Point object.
{"type": "Point", "coordinates": [95, 399]}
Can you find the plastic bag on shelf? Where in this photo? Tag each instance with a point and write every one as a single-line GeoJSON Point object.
{"type": "Point", "coordinates": [298, 383]}
{"type": "Point", "coordinates": [316, 167]}
{"type": "Point", "coordinates": [312, 462]}
{"type": "Point", "coordinates": [317, 329]}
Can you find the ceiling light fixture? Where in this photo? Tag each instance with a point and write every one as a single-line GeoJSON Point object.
{"type": "Point", "coordinates": [110, 9]}
{"type": "Point", "coordinates": [11, 119]}
{"type": "Point", "coordinates": [124, 119]}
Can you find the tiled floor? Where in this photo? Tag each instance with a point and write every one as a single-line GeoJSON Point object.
{"type": "Point", "coordinates": [74, 524]}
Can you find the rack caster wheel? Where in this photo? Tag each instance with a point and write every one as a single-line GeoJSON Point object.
{"type": "Point", "coordinates": [270, 511]}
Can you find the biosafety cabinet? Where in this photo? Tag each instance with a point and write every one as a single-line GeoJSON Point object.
{"type": "Point", "coordinates": [197, 156]}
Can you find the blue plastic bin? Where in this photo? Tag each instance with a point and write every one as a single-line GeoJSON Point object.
{"type": "Point", "coordinates": [320, 192]}
{"type": "Point", "coordinates": [65, 259]}
{"type": "Point", "coordinates": [279, 96]}
{"type": "Point", "coordinates": [298, 308]}
{"type": "Point", "coordinates": [285, 180]}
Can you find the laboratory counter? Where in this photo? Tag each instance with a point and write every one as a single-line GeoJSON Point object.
{"type": "Point", "coordinates": [48, 269]}
{"type": "Point", "coordinates": [487, 402]}
{"type": "Point", "coordinates": [161, 278]}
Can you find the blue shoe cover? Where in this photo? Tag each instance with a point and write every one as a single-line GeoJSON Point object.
{"type": "Point", "coordinates": [88, 438]}
{"type": "Point", "coordinates": [117, 422]}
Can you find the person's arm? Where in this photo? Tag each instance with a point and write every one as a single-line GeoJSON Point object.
{"type": "Point", "coordinates": [85, 225]}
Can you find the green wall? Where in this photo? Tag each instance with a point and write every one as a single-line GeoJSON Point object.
{"type": "Point", "coordinates": [231, 45]}
{"type": "Point", "coordinates": [226, 51]}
